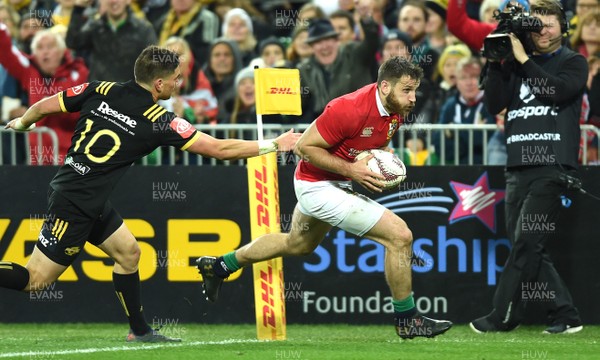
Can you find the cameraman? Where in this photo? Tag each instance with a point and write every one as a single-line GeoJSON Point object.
{"type": "Point", "coordinates": [543, 94]}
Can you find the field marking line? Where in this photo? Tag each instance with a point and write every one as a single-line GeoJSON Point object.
{"type": "Point", "coordinates": [126, 348]}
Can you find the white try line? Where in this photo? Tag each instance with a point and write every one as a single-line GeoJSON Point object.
{"type": "Point", "coordinates": [125, 348]}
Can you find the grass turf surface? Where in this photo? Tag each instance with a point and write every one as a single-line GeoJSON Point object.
{"type": "Point", "coordinates": [106, 341]}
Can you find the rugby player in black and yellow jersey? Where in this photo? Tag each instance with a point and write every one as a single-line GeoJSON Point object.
{"type": "Point", "coordinates": [119, 123]}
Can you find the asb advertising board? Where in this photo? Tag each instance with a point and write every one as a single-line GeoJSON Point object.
{"type": "Point", "coordinates": [456, 215]}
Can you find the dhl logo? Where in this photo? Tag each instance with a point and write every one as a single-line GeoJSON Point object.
{"type": "Point", "coordinates": [281, 91]}
{"type": "Point", "coordinates": [262, 192]}
{"type": "Point", "coordinates": [266, 284]}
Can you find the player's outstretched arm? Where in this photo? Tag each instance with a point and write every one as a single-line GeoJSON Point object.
{"type": "Point", "coordinates": [35, 113]}
{"type": "Point", "coordinates": [233, 149]}
{"type": "Point", "coordinates": [312, 147]}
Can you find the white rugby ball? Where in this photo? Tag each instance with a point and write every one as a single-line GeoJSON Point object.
{"type": "Point", "coordinates": [386, 164]}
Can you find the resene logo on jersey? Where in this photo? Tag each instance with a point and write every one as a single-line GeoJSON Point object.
{"type": "Point", "coordinates": [107, 110]}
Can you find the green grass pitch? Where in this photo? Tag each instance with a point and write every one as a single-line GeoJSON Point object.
{"type": "Point", "coordinates": [304, 342]}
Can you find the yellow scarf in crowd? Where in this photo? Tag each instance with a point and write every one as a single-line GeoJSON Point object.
{"type": "Point", "coordinates": [174, 24]}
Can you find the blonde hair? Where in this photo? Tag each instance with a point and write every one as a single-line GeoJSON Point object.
{"type": "Point", "coordinates": [588, 18]}
{"type": "Point", "coordinates": [14, 17]}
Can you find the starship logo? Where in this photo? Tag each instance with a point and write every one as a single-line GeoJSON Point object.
{"type": "Point", "coordinates": [476, 200]}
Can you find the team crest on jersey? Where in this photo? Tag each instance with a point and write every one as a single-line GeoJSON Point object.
{"type": "Point", "coordinates": [182, 127]}
{"type": "Point", "coordinates": [393, 128]}
{"type": "Point", "coordinates": [367, 132]}
{"type": "Point", "coordinates": [76, 90]}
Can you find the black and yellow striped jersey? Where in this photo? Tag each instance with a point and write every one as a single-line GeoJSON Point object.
{"type": "Point", "coordinates": [119, 123]}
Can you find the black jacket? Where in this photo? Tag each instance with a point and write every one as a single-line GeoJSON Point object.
{"type": "Point", "coordinates": [112, 54]}
{"type": "Point", "coordinates": [543, 97]}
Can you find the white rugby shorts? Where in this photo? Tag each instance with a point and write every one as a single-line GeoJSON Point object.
{"type": "Point", "coordinates": [335, 203]}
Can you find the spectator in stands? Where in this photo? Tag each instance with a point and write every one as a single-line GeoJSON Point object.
{"type": "Point", "coordinates": [412, 20]}
{"type": "Point", "coordinates": [237, 27]}
{"type": "Point", "coordinates": [192, 21]}
{"type": "Point", "coordinates": [436, 24]}
{"type": "Point", "coordinates": [224, 62]}
{"type": "Point", "coordinates": [349, 65]}
{"type": "Point", "coordinates": [261, 29]}
{"type": "Point", "coordinates": [62, 12]}
{"type": "Point", "coordinates": [310, 11]}
{"type": "Point", "coordinates": [299, 50]}
{"type": "Point", "coordinates": [465, 108]}
{"type": "Point", "coordinates": [586, 38]}
{"type": "Point", "coordinates": [50, 70]}
{"type": "Point", "coordinates": [445, 78]}
{"type": "Point", "coordinates": [30, 24]}
{"type": "Point", "coordinates": [9, 88]}
{"type": "Point", "coordinates": [113, 40]}
{"type": "Point", "coordinates": [271, 54]}
{"type": "Point", "coordinates": [487, 9]}
{"type": "Point", "coordinates": [243, 107]}
{"type": "Point", "coordinates": [581, 8]}
{"type": "Point", "coordinates": [343, 23]}
{"type": "Point", "coordinates": [395, 43]}
{"type": "Point", "coordinates": [194, 100]}
{"type": "Point", "coordinates": [593, 90]}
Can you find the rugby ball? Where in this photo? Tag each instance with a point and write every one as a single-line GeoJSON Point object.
{"type": "Point", "coordinates": [386, 164]}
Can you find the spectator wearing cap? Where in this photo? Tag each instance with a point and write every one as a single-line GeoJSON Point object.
{"type": "Point", "coordinates": [412, 20]}
{"type": "Point", "coordinates": [445, 77]}
{"type": "Point", "coordinates": [395, 43]}
{"type": "Point", "coordinates": [237, 26]}
{"type": "Point", "coordinates": [113, 40]}
{"type": "Point", "coordinates": [299, 50]}
{"type": "Point", "coordinates": [260, 22]}
{"type": "Point", "coordinates": [467, 30]}
{"type": "Point", "coordinates": [271, 54]}
{"type": "Point", "coordinates": [191, 20]}
{"type": "Point", "coordinates": [487, 9]}
{"type": "Point", "coordinates": [242, 107]}
{"type": "Point", "coordinates": [436, 23]}
{"type": "Point", "coordinates": [334, 70]}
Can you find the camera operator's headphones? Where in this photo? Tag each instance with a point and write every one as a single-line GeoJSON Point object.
{"type": "Point", "coordinates": [564, 23]}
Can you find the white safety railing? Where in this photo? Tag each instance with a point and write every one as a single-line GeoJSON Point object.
{"type": "Point", "coordinates": [15, 145]}
{"type": "Point", "coordinates": [10, 141]}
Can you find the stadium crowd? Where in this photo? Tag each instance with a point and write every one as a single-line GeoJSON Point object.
{"type": "Point", "coordinates": [47, 46]}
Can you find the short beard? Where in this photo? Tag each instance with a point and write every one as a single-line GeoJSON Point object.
{"type": "Point", "coordinates": [394, 107]}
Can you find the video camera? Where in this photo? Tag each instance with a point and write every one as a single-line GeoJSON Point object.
{"type": "Point", "coordinates": [497, 46]}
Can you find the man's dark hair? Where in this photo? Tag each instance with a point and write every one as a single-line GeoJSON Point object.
{"type": "Point", "coordinates": [345, 15]}
{"type": "Point", "coordinates": [396, 67]}
{"type": "Point", "coordinates": [417, 4]}
{"type": "Point", "coordinates": [155, 62]}
{"type": "Point", "coordinates": [549, 7]}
